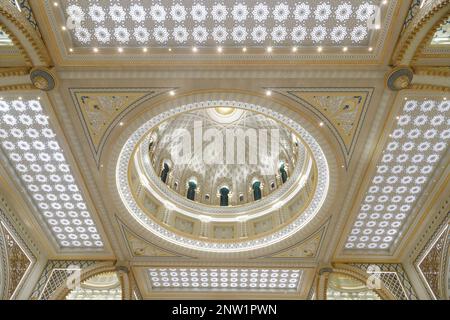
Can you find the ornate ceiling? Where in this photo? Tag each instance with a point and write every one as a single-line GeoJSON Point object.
{"type": "Point", "coordinates": [95, 98]}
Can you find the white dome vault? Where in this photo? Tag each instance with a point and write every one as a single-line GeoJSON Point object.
{"type": "Point", "coordinates": [158, 200]}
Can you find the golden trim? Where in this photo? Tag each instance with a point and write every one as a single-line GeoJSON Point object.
{"type": "Point", "coordinates": [426, 40]}
{"type": "Point", "coordinates": [18, 19]}
{"type": "Point", "coordinates": [16, 43]}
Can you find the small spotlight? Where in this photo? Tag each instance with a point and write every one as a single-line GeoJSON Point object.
{"type": "Point", "coordinates": [170, 49]}
{"type": "Point", "coordinates": [385, 2]}
{"type": "Point", "coordinates": [120, 50]}
{"type": "Point", "coordinates": [20, 98]}
{"type": "Point", "coordinates": [244, 49]}
{"type": "Point", "coordinates": [64, 28]}
{"type": "Point", "coordinates": [219, 49]}
{"type": "Point", "coordinates": [268, 93]}
{"type": "Point", "coordinates": [377, 27]}
{"type": "Point", "coordinates": [406, 98]}
{"type": "Point", "coordinates": [294, 49]}
{"type": "Point", "coordinates": [95, 50]}
{"type": "Point", "coordinates": [70, 49]}
{"type": "Point", "coordinates": [144, 49]}
{"type": "Point", "coordinates": [39, 98]}
{"type": "Point", "coordinates": [194, 49]}
{"type": "Point", "coordinates": [121, 123]}
{"type": "Point", "coordinates": [55, 4]}
{"type": "Point", "coordinates": [172, 93]}
{"type": "Point", "coordinates": [269, 49]}
{"type": "Point", "coordinates": [319, 49]}
{"type": "Point", "coordinates": [345, 49]}
{"type": "Point", "coordinates": [321, 124]}
{"type": "Point", "coordinates": [370, 49]}
{"type": "Point", "coordinates": [445, 98]}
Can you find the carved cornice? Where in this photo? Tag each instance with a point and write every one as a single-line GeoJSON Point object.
{"type": "Point", "coordinates": [15, 87]}
{"type": "Point", "coordinates": [427, 39]}
{"type": "Point", "coordinates": [429, 87]}
{"type": "Point", "coordinates": [12, 72]}
{"type": "Point", "coordinates": [8, 11]}
{"type": "Point", "coordinates": [406, 43]}
{"type": "Point", "coordinates": [16, 43]}
{"type": "Point", "coordinates": [433, 71]}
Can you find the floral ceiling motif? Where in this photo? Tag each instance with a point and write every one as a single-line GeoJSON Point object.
{"type": "Point", "coordinates": [185, 23]}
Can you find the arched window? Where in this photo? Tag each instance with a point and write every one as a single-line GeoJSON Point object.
{"type": "Point", "coordinates": [224, 192]}
{"type": "Point", "coordinates": [165, 172]}
{"type": "Point", "coordinates": [256, 186]}
{"type": "Point", "coordinates": [283, 173]}
{"type": "Point", "coordinates": [192, 186]}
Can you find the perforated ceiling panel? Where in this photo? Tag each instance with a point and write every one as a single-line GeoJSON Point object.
{"type": "Point", "coordinates": [30, 144]}
{"type": "Point", "coordinates": [414, 149]}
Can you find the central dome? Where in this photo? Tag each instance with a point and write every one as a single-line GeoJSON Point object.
{"type": "Point", "coordinates": [234, 156]}
{"type": "Point", "coordinates": [222, 176]}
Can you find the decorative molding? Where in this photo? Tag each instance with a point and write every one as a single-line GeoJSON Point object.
{"type": "Point", "coordinates": [432, 263]}
{"type": "Point", "coordinates": [407, 45]}
{"type": "Point", "coordinates": [17, 44]}
{"type": "Point", "coordinates": [14, 16]}
{"type": "Point", "coordinates": [341, 109]}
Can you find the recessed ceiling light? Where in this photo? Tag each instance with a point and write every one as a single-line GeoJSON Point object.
{"type": "Point", "coordinates": [269, 49]}
{"type": "Point", "coordinates": [321, 124]}
{"type": "Point", "coordinates": [70, 49]}
{"type": "Point", "coordinates": [244, 49]}
{"type": "Point", "coordinates": [345, 49]}
{"type": "Point", "coordinates": [385, 2]}
{"type": "Point", "coordinates": [63, 28]}
{"type": "Point", "coordinates": [144, 49]}
{"type": "Point", "coordinates": [172, 93]}
{"type": "Point", "coordinates": [370, 49]}
{"type": "Point", "coordinates": [294, 49]}
{"type": "Point", "coordinates": [120, 50]}
{"type": "Point", "coordinates": [55, 4]}
{"type": "Point", "coordinates": [170, 49]}
{"type": "Point", "coordinates": [268, 93]}
{"type": "Point", "coordinates": [319, 49]}
{"type": "Point", "coordinates": [219, 49]}
{"type": "Point", "coordinates": [445, 98]}
{"type": "Point", "coordinates": [39, 98]}
{"type": "Point", "coordinates": [194, 49]}
{"type": "Point", "coordinates": [121, 123]}
{"type": "Point", "coordinates": [20, 98]}
{"type": "Point", "coordinates": [377, 26]}
{"type": "Point", "coordinates": [95, 49]}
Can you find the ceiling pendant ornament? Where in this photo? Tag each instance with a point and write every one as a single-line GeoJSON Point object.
{"type": "Point", "coordinates": [399, 78]}
{"type": "Point", "coordinates": [43, 79]}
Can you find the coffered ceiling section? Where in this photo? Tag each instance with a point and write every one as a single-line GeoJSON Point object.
{"type": "Point", "coordinates": [410, 157]}
{"type": "Point", "coordinates": [225, 279]}
{"type": "Point", "coordinates": [30, 145]}
{"type": "Point", "coordinates": [225, 27]}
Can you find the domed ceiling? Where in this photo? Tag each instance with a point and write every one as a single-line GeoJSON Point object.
{"type": "Point", "coordinates": [264, 179]}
